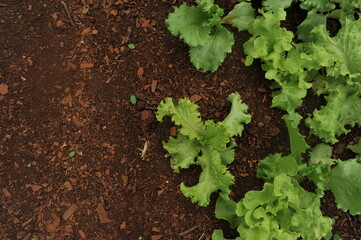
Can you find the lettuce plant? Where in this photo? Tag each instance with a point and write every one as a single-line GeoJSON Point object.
{"type": "Point", "coordinates": [330, 65]}
{"type": "Point", "coordinates": [207, 144]}
{"type": "Point", "coordinates": [200, 26]}
{"type": "Point", "coordinates": [281, 210]}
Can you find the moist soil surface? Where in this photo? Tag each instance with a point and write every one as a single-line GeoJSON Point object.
{"type": "Point", "coordinates": [79, 161]}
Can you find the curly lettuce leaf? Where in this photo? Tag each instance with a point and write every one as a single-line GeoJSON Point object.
{"type": "Point", "coordinates": [297, 141]}
{"type": "Point", "coordinates": [226, 210]}
{"type": "Point", "coordinates": [289, 97]}
{"type": "Point", "coordinates": [205, 4]}
{"type": "Point", "coordinates": [214, 176]}
{"type": "Point", "coordinates": [341, 54]}
{"type": "Point", "coordinates": [343, 109]}
{"type": "Point", "coordinates": [190, 23]}
{"type": "Point", "coordinates": [210, 55]}
{"type": "Point", "coordinates": [345, 183]}
{"type": "Point", "coordinates": [268, 37]}
{"type": "Point", "coordinates": [183, 151]}
{"type": "Point", "coordinates": [240, 16]}
{"type": "Point", "coordinates": [349, 6]}
{"type": "Point", "coordinates": [356, 148]}
{"type": "Point", "coordinates": [274, 165]}
{"type": "Point", "coordinates": [274, 4]}
{"type": "Point", "coordinates": [319, 5]}
{"type": "Point", "coordinates": [237, 117]}
{"type": "Point", "coordinates": [312, 20]}
{"type": "Point", "coordinates": [319, 167]}
{"type": "Point", "coordinates": [215, 135]}
{"type": "Point", "coordinates": [184, 114]}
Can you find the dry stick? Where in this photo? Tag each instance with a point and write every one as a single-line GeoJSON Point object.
{"type": "Point", "coordinates": [68, 13]}
{"type": "Point", "coordinates": [201, 236]}
{"type": "Point", "coordinates": [126, 38]}
{"type": "Point", "coordinates": [145, 148]}
{"type": "Point", "coordinates": [188, 231]}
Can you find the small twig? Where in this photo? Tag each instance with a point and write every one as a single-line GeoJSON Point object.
{"type": "Point", "coordinates": [151, 108]}
{"type": "Point", "coordinates": [126, 38]}
{"type": "Point", "coordinates": [142, 99]}
{"type": "Point", "coordinates": [68, 13]}
{"type": "Point", "coordinates": [145, 148]}
{"type": "Point", "coordinates": [201, 236]}
{"type": "Point", "coordinates": [188, 231]}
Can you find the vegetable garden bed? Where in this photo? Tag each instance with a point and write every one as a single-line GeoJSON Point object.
{"type": "Point", "coordinates": [273, 148]}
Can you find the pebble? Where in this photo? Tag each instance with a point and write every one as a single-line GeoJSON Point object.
{"type": "Point", "coordinates": [260, 124]}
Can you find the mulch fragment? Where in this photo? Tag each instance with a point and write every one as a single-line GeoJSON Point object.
{"type": "Point", "coordinates": [102, 214]}
{"type": "Point", "coordinates": [69, 212]}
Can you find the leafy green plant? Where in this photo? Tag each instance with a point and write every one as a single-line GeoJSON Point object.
{"type": "Point", "coordinates": [207, 144]}
{"type": "Point", "coordinates": [327, 64]}
{"type": "Point", "coordinates": [200, 26]}
{"type": "Point", "coordinates": [281, 210]}
{"type": "Point", "coordinates": [343, 180]}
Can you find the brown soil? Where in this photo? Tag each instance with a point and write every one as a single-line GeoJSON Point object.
{"type": "Point", "coordinates": [65, 88]}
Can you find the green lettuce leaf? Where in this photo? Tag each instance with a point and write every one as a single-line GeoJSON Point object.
{"type": "Point", "coordinates": [240, 16]}
{"type": "Point", "coordinates": [319, 5]}
{"type": "Point", "coordinates": [183, 151]}
{"type": "Point", "coordinates": [274, 4]}
{"type": "Point", "coordinates": [184, 114]}
{"type": "Point", "coordinates": [319, 167]}
{"type": "Point", "coordinates": [356, 148]}
{"type": "Point", "coordinates": [297, 141]}
{"type": "Point", "coordinates": [274, 165]}
{"type": "Point", "coordinates": [349, 5]}
{"type": "Point", "coordinates": [341, 54]}
{"type": "Point", "coordinates": [191, 24]}
{"type": "Point", "coordinates": [268, 37]}
{"type": "Point", "coordinates": [343, 109]}
{"type": "Point", "coordinates": [289, 97]}
{"type": "Point", "coordinates": [237, 117]}
{"type": "Point", "coordinates": [214, 176]}
{"type": "Point", "coordinates": [210, 55]}
{"type": "Point", "coordinates": [345, 183]}
{"type": "Point", "coordinates": [226, 210]}
{"type": "Point", "coordinates": [205, 4]}
{"type": "Point", "coordinates": [312, 20]}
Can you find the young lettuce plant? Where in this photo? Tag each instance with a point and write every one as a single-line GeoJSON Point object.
{"type": "Point", "coordinates": [283, 209]}
{"type": "Point", "coordinates": [344, 180]}
{"type": "Point", "coordinates": [207, 144]}
{"type": "Point", "coordinates": [327, 64]}
{"type": "Point", "coordinates": [200, 26]}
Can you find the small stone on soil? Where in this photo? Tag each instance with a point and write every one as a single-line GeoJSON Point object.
{"type": "Point", "coordinates": [4, 89]}
{"type": "Point", "coordinates": [195, 98]}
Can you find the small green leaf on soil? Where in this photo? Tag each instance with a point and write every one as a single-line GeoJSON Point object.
{"type": "Point", "coordinates": [72, 154]}
{"type": "Point", "coordinates": [133, 99]}
{"type": "Point", "coordinates": [28, 165]}
{"type": "Point", "coordinates": [131, 46]}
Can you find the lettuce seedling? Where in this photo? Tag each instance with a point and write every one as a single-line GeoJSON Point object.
{"type": "Point", "coordinates": [207, 144]}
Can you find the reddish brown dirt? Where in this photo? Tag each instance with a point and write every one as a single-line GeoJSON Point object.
{"type": "Point", "coordinates": [66, 89]}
